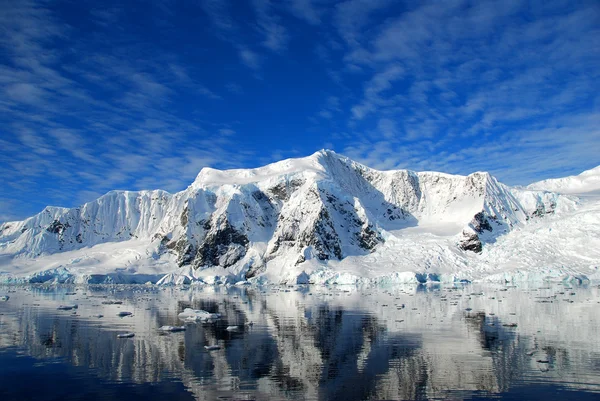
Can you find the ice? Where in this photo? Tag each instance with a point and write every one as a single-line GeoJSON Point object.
{"type": "Point", "coordinates": [172, 328]}
{"type": "Point", "coordinates": [232, 328]}
{"type": "Point", "coordinates": [212, 347]}
{"type": "Point", "coordinates": [197, 315]}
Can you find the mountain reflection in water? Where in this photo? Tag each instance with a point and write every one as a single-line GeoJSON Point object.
{"type": "Point", "coordinates": [405, 342]}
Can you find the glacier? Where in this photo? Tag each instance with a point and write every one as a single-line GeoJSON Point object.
{"type": "Point", "coordinates": [321, 219]}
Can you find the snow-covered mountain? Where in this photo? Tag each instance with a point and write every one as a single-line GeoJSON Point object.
{"type": "Point", "coordinates": [323, 218]}
{"type": "Point", "coordinates": [588, 181]}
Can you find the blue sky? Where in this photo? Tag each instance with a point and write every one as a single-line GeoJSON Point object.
{"type": "Point", "coordinates": [100, 95]}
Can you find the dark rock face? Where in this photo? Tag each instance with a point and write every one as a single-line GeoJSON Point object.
{"type": "Point", "coordinates": [471, 242]}
{"type": "Point", "coordinates": [255, 269]}
{"type": "Point", "coordinates": [368, 238]}
{"type": "Point", "coordinates": [480, 223]}
{"type": "Point", "coordinates": [183, 249]}
{"type": "Point", "coordinates": [222, 246]}
{"type": "Point", "coordinates": [183, 219]}
{"type": "Point", "coordinates": [543, 209]}
{"type": "Point", "coordinates": [56, 227]}
{"type": "Point", "coordinates": [283, 191]}
{"type": "Point", "coordinates": [322, 237]}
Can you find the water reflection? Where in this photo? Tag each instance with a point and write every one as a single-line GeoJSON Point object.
{"type": "Point", "coordinates": [317, 343]}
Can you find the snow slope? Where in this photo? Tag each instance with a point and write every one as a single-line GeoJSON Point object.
{"type": "Point", "coordinates": [586, 182]}
{"type": "Point", "coordinates": [322, 218]}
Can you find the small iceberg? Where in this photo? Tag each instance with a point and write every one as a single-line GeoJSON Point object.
{"type": "Point", "coordinates": [172, 328]}
{"type": "Point", "coordinates": [212, 347]}
{"type": "Point", "coordinates": [125, 335]}
{"type": "Point", "coordinates": [232, 328]}
{"type": "Point", "coordinates": [198, 315]}
{"type": "Point", "coordinates": [67, 307]}
{"type": "Point", "coordinates": [123, 314]}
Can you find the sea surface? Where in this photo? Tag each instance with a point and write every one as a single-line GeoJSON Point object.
{"type": "Point", "coordinates": [458, 342]}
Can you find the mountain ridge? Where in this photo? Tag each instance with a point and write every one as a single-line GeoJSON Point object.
{"type": "Point", "coordinates": [585, 182]}
{"type": "Point", "coordinates": [284, 219]}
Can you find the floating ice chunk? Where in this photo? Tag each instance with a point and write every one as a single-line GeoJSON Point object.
{"type": "Point", "coordinates": [172, 328]}
{"type": "Point", "coordinates": [198, 315]}
{"type": "Point", "coordinates": [123, 314]}
{"type": "Point", "coordinates": [212, 347]}
{"type": "Point", "coordinates": [67, 307]}
{"type": "Point", "coordinates": [232, 328]}
{"type": "Point", "coordinates": [125, 335]}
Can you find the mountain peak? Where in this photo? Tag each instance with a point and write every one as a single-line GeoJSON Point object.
{"type": "Point", "coordinates": [316, 164]}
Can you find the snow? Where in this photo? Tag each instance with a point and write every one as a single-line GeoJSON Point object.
{"type": "Point", "coordinates": [587, 181]}
{"type": "Point", "coordinates": [321, 219]}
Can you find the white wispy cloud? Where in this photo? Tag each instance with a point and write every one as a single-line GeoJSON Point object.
{"type": "Point", "coordinates": [378, 84]}
{"type": "Point", "coordinates": [275, 34]}
{"type": "Point", "coordinates": [218, 12]}
{"type": "Point", "coordinates": [76, 145]}
{"type": "Point", "coordinates": [475, 70]}
{"type": "Point", "coordinates": [307, 10]}
{"type": "Point", "coordinates": [250, 58]}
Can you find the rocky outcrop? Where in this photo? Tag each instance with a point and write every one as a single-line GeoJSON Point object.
{"type": "Point", "coordinates": [470, 242]}
{"type": "Point", "coordinates": [222, 246]}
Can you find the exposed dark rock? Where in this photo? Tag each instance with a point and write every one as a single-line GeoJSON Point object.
{"type": "Point", "coordinates": [255, 269]}
{"type": "Point", "coordinates": [543, 209]}
{"type": "Point", "coordinates": [260, 197]}
{"type": "Point", "coordinates": [183, 219]}
{"type": "Point", "coordinates": [283, 191]}
{"type": "Point", "coordinates": [480, 223]}
{"type": "Point", "coordinates": [222, 241]}
{"type": "Point", "coordinates": [279, 191]}
{"type": "Point", "coordinates": [56, 227]}
{"type": "Point", "coordinates": [368, 238]}
{"type": "Point", "coordinates": [471, 242]}
{"type": "Point", "coordinates": [182, 248]}
{"type": "Point", "coordinates": [322, 237]}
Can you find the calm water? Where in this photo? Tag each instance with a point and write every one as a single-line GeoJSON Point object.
{"type": "Point", "coordinates": [407, 342]}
